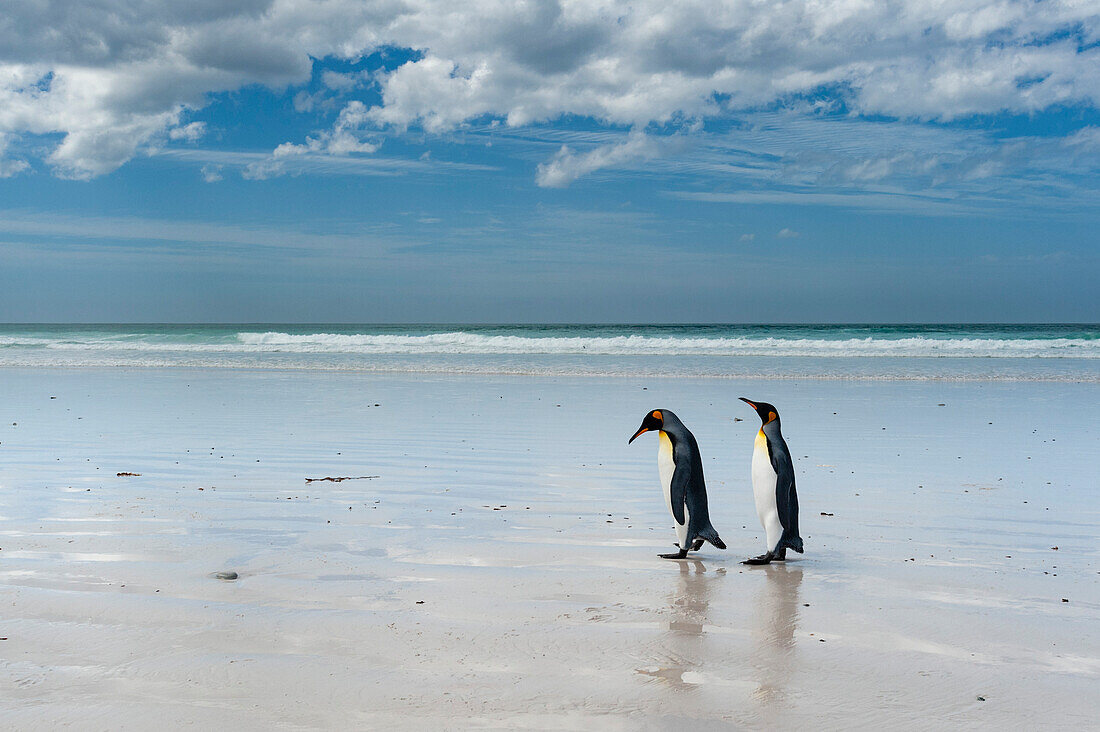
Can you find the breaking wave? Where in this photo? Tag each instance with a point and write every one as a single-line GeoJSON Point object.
{"type": "Point", "coordinates": [465, 343]}
{"type": "Point", "coordinates": [1057, 352]}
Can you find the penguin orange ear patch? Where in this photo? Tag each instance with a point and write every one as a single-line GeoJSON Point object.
{"type": "Point", "coordinates": [771, 416]}
{"type": "Point", "coordinates": [657, 415]}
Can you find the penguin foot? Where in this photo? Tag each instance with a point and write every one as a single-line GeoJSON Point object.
{"type": "Point", "coordinates": [780, 556]}
{"type": "Point", "coordinates": [762, 559]}
{"type": "Point", "coordinates": [697, 545]}
{"type": "Point", "coordinates": [682, 554]}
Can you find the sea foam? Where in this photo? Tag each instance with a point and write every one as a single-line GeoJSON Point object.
{"type": "Point", "coordinates": [1070, 353]}
{"type": "Point", "coordinates": [459, 342]}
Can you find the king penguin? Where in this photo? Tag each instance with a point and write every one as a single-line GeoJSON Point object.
{"type": "Point", "coordinates": [681, 471]}
{"type": "Point", "coordinates": [773, 487]}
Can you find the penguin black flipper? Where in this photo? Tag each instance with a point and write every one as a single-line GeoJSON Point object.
{"type": "Point", "coordinates": [699, 526]}
{"type": "Point", "coordinates": [695, 498]}
{"type": "Point", "coordinates": [786, 499]}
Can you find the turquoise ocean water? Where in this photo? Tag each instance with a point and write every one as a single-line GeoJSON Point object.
{"type": "Point", "coordinates": [1018, 352]}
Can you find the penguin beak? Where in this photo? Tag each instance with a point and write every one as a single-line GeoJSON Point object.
{"type": "Point", "coordinates": [746, 401]}
{"type": "Point", "coordinates": [641, 430]}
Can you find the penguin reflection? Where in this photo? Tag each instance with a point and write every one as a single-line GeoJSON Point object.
{"type": "Point", "coordinates": [691, 600]}
{"type": "Point", "coordinates": [775, 622]}
{"type": "Point", "coordinates": [683, 648]}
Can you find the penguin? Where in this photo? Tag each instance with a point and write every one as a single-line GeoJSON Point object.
{"type": "Point", "coordinates": [681, 471]}
{"type": "Point", "coordinates": [773, 487]}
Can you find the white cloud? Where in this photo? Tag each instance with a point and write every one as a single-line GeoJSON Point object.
{"type": "Point", "coordinates": [650, 61]}
{"type": "Point", "coordinates": [111, 77]}
{"type": "Point", "coordinates": [1085, 140]}
{"type": "Point", "coordinates": [254, 164]}
{"type": "Point", "coordinates": [343, 139]}
{"type": "Point", "coordinates": [905, 167]}
{"type": "Point", "coordinates": [566, 166]}
{"type": "Point", "coordinates": [748, 237]}
{"type": "Point", "coordinates": [304, 102]}
{"type": "Point", "coordinates": [211, 173]}
{"type": "Point", "coordinates": [884, 201]}
{"type": "Point", "coordinates": [17, 223]}
{"type": "Point", "coordinates": [341, 82]}
{"type": "Point", "coordinates": [9, 166]}
{"type": "Point", "coordinates": [190, 132]}
{"type": "Point", "coordinates": [787, 234]}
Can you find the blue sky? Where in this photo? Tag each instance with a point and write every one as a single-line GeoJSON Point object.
{"type": "Point", "coordinates": [546, 161]}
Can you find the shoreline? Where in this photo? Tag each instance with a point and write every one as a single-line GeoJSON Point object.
{"type": "Point", "coordinates": [451, 371]}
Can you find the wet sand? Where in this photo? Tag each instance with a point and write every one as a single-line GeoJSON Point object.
{"type": "Point", "coordinates": [501, 570]}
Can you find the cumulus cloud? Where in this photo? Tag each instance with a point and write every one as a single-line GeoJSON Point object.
{"type": "Point", "coordinates": [211, 173]}
{"type": "Point", "coordinates": [106, 78]}
{"type": "Point", "coordinates": [785, 233]}
{"type": "Point", "coordinates": [641, 62]}
{"type": "Point", "coordinates": [748, 237]}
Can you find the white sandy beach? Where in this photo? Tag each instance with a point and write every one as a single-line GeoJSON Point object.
{"type": "Point", "coordinates": [501, 570]}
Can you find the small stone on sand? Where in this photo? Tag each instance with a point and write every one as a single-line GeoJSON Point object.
{"type": "Point", "coordinates": [228, 575]}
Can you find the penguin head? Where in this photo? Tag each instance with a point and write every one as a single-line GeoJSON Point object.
{"type": "Point", "coordinates": [767, 412]}
{"type": "Point", "coordinates": [655, 420]}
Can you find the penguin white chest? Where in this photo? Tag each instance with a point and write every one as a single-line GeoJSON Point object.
{"type": "Point", "coordinates": [763, 490]}
{"type": "Point", "coordinates": [667, 466]}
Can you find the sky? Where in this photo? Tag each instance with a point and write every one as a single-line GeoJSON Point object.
{"type": "Point", "coordinates": [550, 161]}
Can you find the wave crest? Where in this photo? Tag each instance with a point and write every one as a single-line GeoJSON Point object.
{"type": "Point", "coordinates": [464, 343]}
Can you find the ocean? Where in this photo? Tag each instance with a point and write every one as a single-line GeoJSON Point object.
{"type": "Point", "coordinates": [934, 351]}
